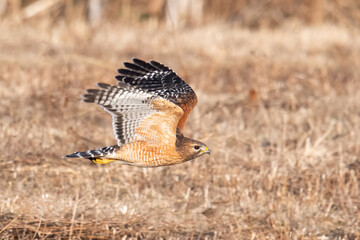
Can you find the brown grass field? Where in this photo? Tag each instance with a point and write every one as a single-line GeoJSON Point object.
{"type": "Point", "coordinates": [279, 109]}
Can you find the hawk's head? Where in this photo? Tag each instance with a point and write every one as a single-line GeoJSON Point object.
{"type": "Point", "coordinates": [190, 148]}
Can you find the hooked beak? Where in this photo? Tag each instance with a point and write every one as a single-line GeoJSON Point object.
{"type": "Point", "coordinates": [206, 150]}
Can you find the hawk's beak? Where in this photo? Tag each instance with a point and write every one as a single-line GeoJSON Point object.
{"type": "Point", "coordinates": [206, 150]}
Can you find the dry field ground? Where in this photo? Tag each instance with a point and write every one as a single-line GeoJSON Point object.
{"type": "Point", "coordinates": [279, 109]}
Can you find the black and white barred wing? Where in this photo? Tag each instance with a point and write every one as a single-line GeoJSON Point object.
{"type": "Point", "coordinates": [160, 80]}
{"type": "Point", "coordinates": [127, 105]}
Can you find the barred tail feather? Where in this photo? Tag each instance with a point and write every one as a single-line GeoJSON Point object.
{"type": "Point", "coordinates": [92, 154]}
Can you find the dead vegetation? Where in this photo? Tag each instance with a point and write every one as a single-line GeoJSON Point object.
{"type": "Point", "coordinates": [279, 108]}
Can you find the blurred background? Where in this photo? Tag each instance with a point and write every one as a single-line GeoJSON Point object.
{"type": "Point", "coordinates": [279, 107]}
{"type": "Point", "coordinates": [173, 14]}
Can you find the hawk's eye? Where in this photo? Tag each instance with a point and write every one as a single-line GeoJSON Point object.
{"type": "Point", "coordinates": [197, 147]}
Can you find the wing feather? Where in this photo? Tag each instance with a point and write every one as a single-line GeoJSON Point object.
{"type": "Point", "coordinates": [137, 115]}
{"type": "Point", "coordinates": [159, 66]}
{"type": "Point", "coordinates": [158, 79]}
{"type": "Point", "coordinates": [135, 67]}
{"type": "Point", "coordinates": [143, 65]}
{"type": "Point", "coordinates": [130, 73]}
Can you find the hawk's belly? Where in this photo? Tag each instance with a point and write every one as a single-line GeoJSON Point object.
{"type": "Point", "coordinates": [145, 155]}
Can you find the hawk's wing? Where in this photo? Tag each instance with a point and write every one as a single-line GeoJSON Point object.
{"type": "Point", "coordinates": [137, 115]}
{"type": "Point", "coordinates": [159, 80]}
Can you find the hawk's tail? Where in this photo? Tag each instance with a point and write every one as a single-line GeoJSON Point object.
{"type": "Point", "coordinates": [97, 156]}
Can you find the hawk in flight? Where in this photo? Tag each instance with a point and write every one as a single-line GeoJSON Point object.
{"type": "Point", "coordinates": [149, 108]}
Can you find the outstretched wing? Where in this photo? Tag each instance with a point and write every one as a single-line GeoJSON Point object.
{"type": "Point", "coordinates": [137, 115]}
{"type": "Point", "coordinates": [159, 80]}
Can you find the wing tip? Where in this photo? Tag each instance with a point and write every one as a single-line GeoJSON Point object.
{"type": "Point", "coordinates": [103, 85]}
{"type": "Point", "coordinates": [159, 66]}
{"type": "Point", "coordinates": [89, 97]}
{"type": "Point", "coordinates": [134, 59]}
{"type": "Point", "coordinates": [137, 60]}
{"type": "Point", "coordinates": [119, 77]}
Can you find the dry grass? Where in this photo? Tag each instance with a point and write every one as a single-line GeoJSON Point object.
{"type": "Point", "coordinates": [280, 110]}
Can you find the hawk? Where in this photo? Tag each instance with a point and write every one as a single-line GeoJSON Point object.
{"type": "Point", "coordinates": [149, 107]}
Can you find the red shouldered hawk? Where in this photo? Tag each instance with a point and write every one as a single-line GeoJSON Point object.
{"type": "Point", "coordinates": [149, 107]}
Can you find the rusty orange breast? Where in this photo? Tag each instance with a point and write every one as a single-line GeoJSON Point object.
{"type": "Point", "coordinates": [142, 154]}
